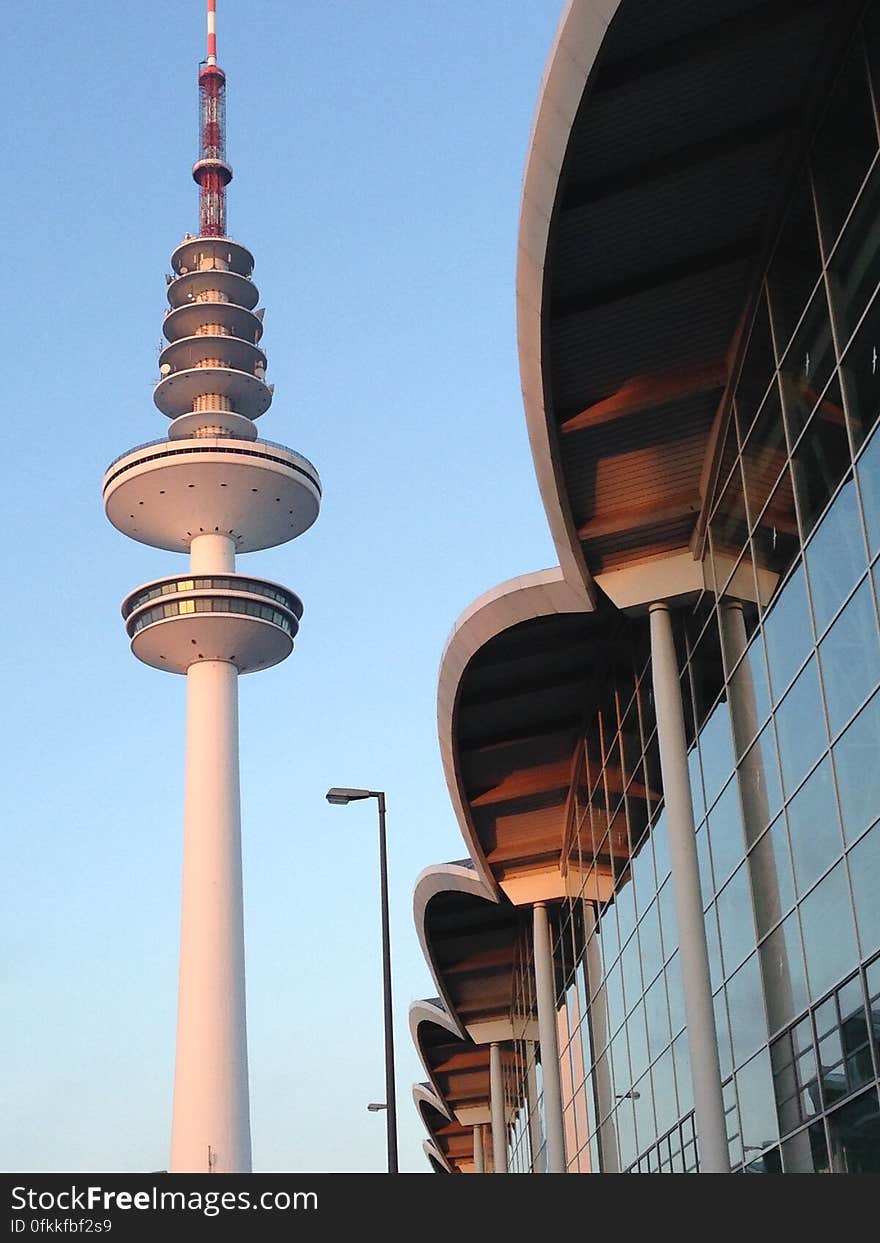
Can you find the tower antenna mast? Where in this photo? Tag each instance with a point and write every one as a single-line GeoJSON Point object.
{"type": "Point", "coordinates": [211, 172]}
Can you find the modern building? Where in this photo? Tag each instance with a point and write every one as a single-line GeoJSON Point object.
{"type": "Point", "coordinates": [212, 489]}
{"type": "Point", "coordinates": [664, 951]}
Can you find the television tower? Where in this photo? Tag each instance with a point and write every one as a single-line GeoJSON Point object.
{"type": "Point", "coordinates": [212, 489]}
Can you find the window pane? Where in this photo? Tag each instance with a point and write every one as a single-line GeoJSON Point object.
{"type": "Point", "coordinates": [735, 920]}
{"type": "Point", "coordinates": [829, 935]}
{"type": "Point", "coordinates": [835, 557]}
{"type": "Point", "coordinates": [787, 633]}
{"type": "Point", "coordinates": [807, 365]}
{"type": "Point", "coordinates": [850, 658]}
{"type": "Point", "coordinates": [764, 455]}
{"type": "Point", "coordinates": [869, 484]}
{"type": "Point", "coordinates": [806, 1153]}
{"type": "Point", "coordinates": [759, 784]}
{"type": "Point", "coordinates": [800, 727]}
{"type": "Point", "coordinates": [657, 1016]}
{"type": "Point", "coordinates": [864, 870]}
{"type": "Point", "coordinates": [725, 835]}
{"type": "Point", "coordinates": [854, 271]}
{"type": "Point", "coordinates": [845, 144]}
{"type": "Point", "coordinates": [758, 367]}
{"type": "Point", "coordinates": [813, 827]}
{"type": "Point", "coordinates": [771, 877]}
{"type": "Point", "coordinates": [854, 1132]}
{"type": "Point", "coordinates": [821, 458]}
{"type": "Point", "coordinates": [716, 751]}
{"type": "Point", "coordinates": [861, 375]}
{"type": "Point", "coordinates": [796, 265]}
{"type": "Point", "coordinates": [782, 968]}
{"type": "Point", "coordinates": [754, 1085]}
{"type": "Point", "coordinates": [858, 773]}
{"type": "Point", "coordinates": [748, 1029]}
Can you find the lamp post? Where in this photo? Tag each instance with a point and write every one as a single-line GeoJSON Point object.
{"type": "Point", "coordinates": [340, 797]}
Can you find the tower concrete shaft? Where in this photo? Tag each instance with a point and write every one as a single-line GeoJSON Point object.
{"type": "Point", "coordinates": [212, 489]}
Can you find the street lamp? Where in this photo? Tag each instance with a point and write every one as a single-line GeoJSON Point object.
{"type": "Point", "coordinates": [374, 1107]}
{"type": "Point", "coordinates": [340, 797]}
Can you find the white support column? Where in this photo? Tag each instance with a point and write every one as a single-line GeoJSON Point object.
{"type": "Point", "coordinates": [211, 1129]}
{"type": "Point", "coordinates": [479, 1155]}
{"type": "Point", "coordinates": [702, 1037]}
{"type": "Point", "coordinates": [498, 1111]}
{"type": "Point", "coordinates": [212, 554]}
{"type": "Point", "coordinates": [546, 996]}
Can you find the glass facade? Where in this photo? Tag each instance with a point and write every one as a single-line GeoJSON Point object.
{"type": "Point", "coordinates": [780, 678]}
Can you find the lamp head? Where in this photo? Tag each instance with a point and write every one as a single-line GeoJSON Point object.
{"type": "Point", "coordinates": [374, 1107]}
{"type": "Point", "coordinates": [340, 796]}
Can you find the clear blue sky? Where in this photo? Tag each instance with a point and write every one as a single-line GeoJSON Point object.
{"type": "Point", "coordinates": [378, 150]}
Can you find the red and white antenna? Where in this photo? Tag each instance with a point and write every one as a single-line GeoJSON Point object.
{"type": "Point", "coordinates": [211, 171]}
{"type": "Point", "coordinates": [212, 32]}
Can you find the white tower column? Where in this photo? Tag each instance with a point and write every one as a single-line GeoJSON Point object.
{"type": "Point", "coordinates": [552, 1081]}
{"type": "Point", "coordinates": [702, 1037]}
{"type": "Point", "coordinates": [479, 1155]}
{"type": "Point", "coordinates": [497, 1110]}
{"type": "Point", "coordinates": [211, 1128]}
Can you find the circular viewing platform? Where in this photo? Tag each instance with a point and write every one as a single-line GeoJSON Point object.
{"type": "Point", "coordinates": [192, 318]}
{"type": "Point", "coordinates": [177, 393]}
{"type": "Point", "coordinates": [196, 254]}
{"type": "Point", "coordinates": [168, 492]}
{"type": "Point", "coordinates": [248, 622]}
{"type": "Point", "coordinates": [192, 286]}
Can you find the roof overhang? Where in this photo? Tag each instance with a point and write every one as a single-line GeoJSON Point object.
{"type": "Point", "coordinates": [664, 145]}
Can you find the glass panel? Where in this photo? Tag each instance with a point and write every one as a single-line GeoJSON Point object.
{"type": "Point", "coordinates": [813, 827]}
{"type": "Point", "coordinates": [787, 633]}
{"type": "Point", "coordinates": [759, 784]}
{"type": "Point", "coordinates": [835, 557]}
{"type": "Point", "coordinates": [657, 1017]}
{"type": "Point", "coordinates": [764, 455]}
{"type": "Point", "coordinates": [665, 1103]}
{"type": "Point", "coordinates": [745, 1003]}
{"type": "Point", "coordinates": [806, 1153]}
{"type": "Point", "coordinates": [864, 870]}
{"type": "Point", "coordinates": [713, 948]}
{"type": "Point", "coordinates": [850, 658]}
{"type": "Point", "coordinates": [821, 458]}
{"type": "Point", "coordinates": [800, 728]}
{"type": "Point", "coordinates": [757, 369]}
{"type": "Point", "coordinates": [796, 265]}
{"type": "Point", "coordinates": [845, 144]}
{"type": "Point", "coordinates": [868, 470]}
{"type": "Point", "coordinates": [861, 375]}
{"type": "Point", "coordinates": [722, 1031]}
{"type": "Point", "coordinates": [666, 904]}
{"type": "Point", "coordinates": [854, 1132]}
{"type": "Point", "coordinates": [735, 920]}
{"type": "Point", "coordinates": [782, 968]}
{"type": "Point", "coordinates": [638, 1042]}
{"type": "Point", "coordinates": [675, 992]}
{"type": "Point", "coordinates": [725, 835]}
{"type": "Point", "coordinates": [728, 528]}
{"type": "Point", "coordinates": [854, 271]}
{"type": "Point", "coordinates": [807, 366]}
{"type": "Point", "coordinates": [684, 1083]}
{"type": "Point", "coordinates": [829, 935]}
{"type": "Point", "coordinates": [858, 773]}
{"type": "Point", "coordinates": [771, 876]}
{"type": "Point", "coordinates": [649, 939]}
{"type": "Point", "coordinates": [716, 750]}
{"type": "Point", "coordinates": [754, 1084]}
{"type": "Point", "coordinates": [776, 542]}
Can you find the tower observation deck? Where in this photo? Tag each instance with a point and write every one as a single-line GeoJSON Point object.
{"type": "Point", "coordinates": [212, 489]}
